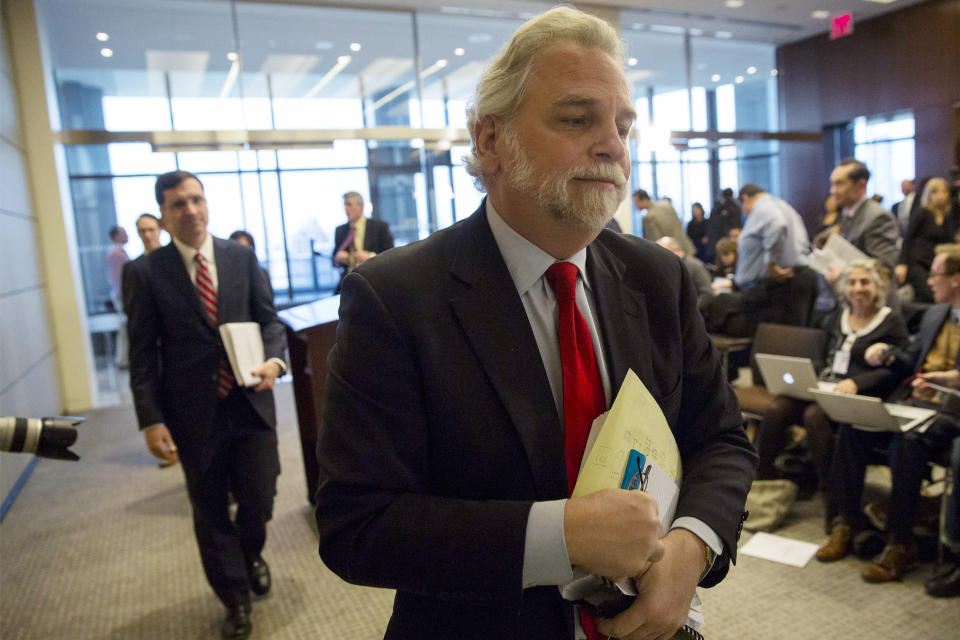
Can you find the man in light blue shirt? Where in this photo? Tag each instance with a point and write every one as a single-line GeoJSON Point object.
{"type": "Point", "coordinates": [773, 253]}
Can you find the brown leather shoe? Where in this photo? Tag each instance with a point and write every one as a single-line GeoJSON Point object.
{"type": "Point", "coordinates": [892, 563]}
{"type": "Point", "coordinates": [839, 543]}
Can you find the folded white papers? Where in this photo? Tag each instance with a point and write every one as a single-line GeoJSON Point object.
{"type": "Point", "coordinates": [779, 549]}
{"type": "Point", "coordinates": [244, 345]}
{"type": "Point", "coordinates": [837, 253]}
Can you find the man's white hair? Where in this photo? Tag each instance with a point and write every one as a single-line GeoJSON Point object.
{"type": "Point", "coordinates": [502, 88]}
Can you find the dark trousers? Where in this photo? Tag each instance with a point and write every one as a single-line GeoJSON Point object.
{"type": "Point", "coordinates": [773, 436]}
{"type": "Point", "coordinates": [908, 455]}
{"type": "Point", "coordinates": [785, 302]}
{"type": "Point", "coordinates": [240, 456]}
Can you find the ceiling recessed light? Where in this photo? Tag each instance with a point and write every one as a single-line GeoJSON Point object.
{"type": "Point", "coordinates": [232, 56]}
{"type": "Point", "coordinates": [820, 14]}
{"type": "Point", "coordinates": [106, 53]}
{"type": "Point", "coordinates": [459, 51]}
{"type": "Point", "coordinates": [723, 34]}
{"type": "Point", "coordinates": [715, 77]}
{"type": "Point", "coordinates": [751, 70]}
{"type": "Point", "coordinates": [103, 37]}
{"type": "Point", "coordinates": [738, 79]}
{"type": "Point", "coordinates": [733, 4]}
{"type": "Point", "coordinates": [344, 59]}
{"type": "Point", "coordinates": [632, 62]}
{"type": "Point", "coordinates": [355, 46]}
{"type": "Point", "coordinates": [774, 72]}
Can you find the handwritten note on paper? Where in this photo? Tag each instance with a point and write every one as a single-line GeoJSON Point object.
{"type": "Point", "coordinates": [634, 422]}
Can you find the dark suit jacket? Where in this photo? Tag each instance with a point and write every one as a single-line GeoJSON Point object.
{"type": "Point", "coordinates": [376, 237]}
{"type": "Point", "coordinates": [908, 361]}
{"type": "Point", "coordinates": [440, 430]}
{"type": "Point", "coordinates": [175, 351]}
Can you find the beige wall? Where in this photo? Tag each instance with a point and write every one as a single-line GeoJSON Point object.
{"type": "Point", "coordinates": [45, 196]}
{"type": "Point", "coordinates": [29, 383]}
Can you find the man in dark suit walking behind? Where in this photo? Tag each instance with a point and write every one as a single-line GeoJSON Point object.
{"type": "Point", "coordinates": [360, 238]}
{"type": "Point", "coordinates": [469, 366]}
{"type": "Point", "coordinates": [188, 403]}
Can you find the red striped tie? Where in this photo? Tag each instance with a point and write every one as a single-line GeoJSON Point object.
{"type": "Point", "coordinates": [583, 398]}
{"type": "Point", "coordinates": [208, 298]}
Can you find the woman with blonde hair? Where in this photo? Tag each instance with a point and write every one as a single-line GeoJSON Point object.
{"type": "Point", "coordinates": [936, 222]}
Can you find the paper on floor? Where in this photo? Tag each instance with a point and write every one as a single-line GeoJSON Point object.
{"type": "Point", "coordinates": [779, 549]}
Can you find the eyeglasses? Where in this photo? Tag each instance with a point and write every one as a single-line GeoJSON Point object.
{"type": "Point", "coordinates": [934, 274]}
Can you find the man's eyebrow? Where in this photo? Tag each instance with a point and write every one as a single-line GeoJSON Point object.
{"type": "Point", "coordinates": [586, 101]}
{"type": "Point", "coordinates": [574, 101]}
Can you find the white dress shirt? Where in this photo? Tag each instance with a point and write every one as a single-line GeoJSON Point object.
{"type": "Point", "coordinates": [545, 559]}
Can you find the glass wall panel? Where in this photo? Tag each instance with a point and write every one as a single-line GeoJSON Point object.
{"type": "Point", "coordinates": [466, 195]}
{"type": "Point", "coordinates": [455, 50]}
{"type": "Point", "coordinates": [886, 144]}
{"type": "Point", "coordinates": [138, 158]}
{"type": "Point", "coordinates": [151, 51]}
{"type": "Point", "coordinates": [739, 84]}
{"type": "Point", "coordinates": [312, 202]}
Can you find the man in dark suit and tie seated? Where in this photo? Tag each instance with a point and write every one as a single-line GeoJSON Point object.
{"type": "Point", "coordinates": [188, 403]}
{"type": "Point", "coordinates": [468, 368]}
{"type": "Point", "coordinates": [360, 238]}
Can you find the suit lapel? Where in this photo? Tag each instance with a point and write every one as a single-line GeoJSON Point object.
{"type": "Point", "coordinates": [495, 323]}
{"type": "Point", "coordinates": [623, 347]}
{"type": "Point", "coordinates": [172, 267]}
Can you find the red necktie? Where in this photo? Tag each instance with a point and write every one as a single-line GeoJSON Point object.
{"type": "Point", "coordinates": [208, 298]}
{"type": "Point", "coordinates": [347, 242]}
{"type": "Point", "coordinates": [582, 389]}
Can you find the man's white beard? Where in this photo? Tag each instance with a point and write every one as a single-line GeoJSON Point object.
{"type": "Point", "coordinates": [561, 195]}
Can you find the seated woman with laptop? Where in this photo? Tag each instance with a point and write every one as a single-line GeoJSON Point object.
{"type": "Point", "coordinates": [931, 355]}
{"type": "Point", "coordinates": [862, 321]}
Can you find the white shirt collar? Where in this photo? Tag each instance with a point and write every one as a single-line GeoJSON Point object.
{"type": "Point", "coordinates": [526, 261]}
{"type": "Point", "coordinates": [848, 212]}
{"type": "Point", "coordinates": [187, 253]}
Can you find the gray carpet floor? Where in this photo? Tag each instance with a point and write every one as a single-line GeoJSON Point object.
{"type": "Point", "coordinates": [104, 548]}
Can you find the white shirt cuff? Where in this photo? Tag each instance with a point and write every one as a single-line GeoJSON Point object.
{"type": "Point", "coordinates": [700, 529]}
{"type": "Point", "coordinates": [283, 365]}
{"type": "Point", "coordinates": [545, 559]}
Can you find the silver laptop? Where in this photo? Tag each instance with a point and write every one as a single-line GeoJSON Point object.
{"type": "Point", "coordinates": [871, 414]}
{"type": "Point", "coordinates": [789, 376]}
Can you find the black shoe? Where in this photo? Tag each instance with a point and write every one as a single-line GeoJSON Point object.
{"type": "Point", "coordinates": [945, 584]}
{"type": "Point", "coordinates": [237, 624]}
{"type": "Point", "coordinates": [258, 573]}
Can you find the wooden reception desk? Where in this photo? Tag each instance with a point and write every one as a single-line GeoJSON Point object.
{"type": "Point", "coordinates": [311, 333]}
